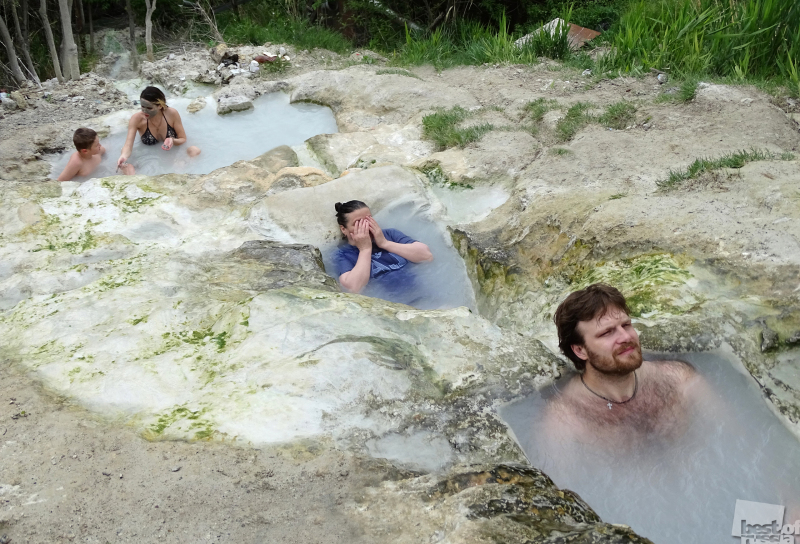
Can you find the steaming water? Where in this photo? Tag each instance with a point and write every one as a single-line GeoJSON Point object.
{"type": "Point", "coordinates": [685, 490]}
{"type": "Point", "coordinates": [442, 283]}
{"type": "Point", "coordinates": [223, 139]}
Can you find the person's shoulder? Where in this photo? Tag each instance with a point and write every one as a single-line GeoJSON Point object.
{"type": "Point", "coordinates": [172, 113]}
{"type": "Point", "coordinates": [396, 235]}
{"type": "Point", "coordinates": [137, 118]}
{"type": "Point", "coordinates": [680, 370]}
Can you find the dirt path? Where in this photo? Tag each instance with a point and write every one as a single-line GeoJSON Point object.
{"type": "Point", "coordinates": [66, 476]}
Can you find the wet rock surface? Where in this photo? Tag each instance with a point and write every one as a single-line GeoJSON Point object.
{"type": "Point", "coordinates": [196, 307]}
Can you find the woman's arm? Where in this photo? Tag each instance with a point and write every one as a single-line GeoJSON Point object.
{"type": "Point", "coordinates": [416, 252]}
{"type": "Point", "coordinates": [177, 124]}
{"type": "Point", "coordinates": [358, 278]}
{"type": "Point", "coordinates": [127, 149]}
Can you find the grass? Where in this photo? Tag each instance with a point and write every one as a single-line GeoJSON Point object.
{"type": "Point", "coordinates": [576, 118]}
{"type": "Point", "coordinates": [443, 129]}
{"type": "Point", "coordinates": [730, 160]}
{"type": "Point", "coordinates": [619, 115]}
{"type": "Point", "coordinates": [397, 72]}
{"type": "Point", "coordinates": [277, 66]}
{"type": "Point", "coordinates": [617, 196]}
{"type": "Point", "coordinates": [259, 27]}
{"type": "Point", "coordinates": [539, 107]}
{"type": "Point", "coordinates": [560, 151]}
{"type": "Point", "coordinates": [686, 92]}
{"type": "Point", "coordinates": [743, 40]}
{"type": "Point", "coordinates": [472, 43]}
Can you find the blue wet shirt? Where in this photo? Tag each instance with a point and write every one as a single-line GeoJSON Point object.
{"type": "Point", "coordinates": [390, 277]}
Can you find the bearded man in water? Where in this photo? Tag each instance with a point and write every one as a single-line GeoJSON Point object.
{"type": "Point", "coordinates": [616, 397]}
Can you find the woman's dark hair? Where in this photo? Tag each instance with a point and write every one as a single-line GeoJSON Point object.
{"type": "Point", "coordinates": [590, 303]}
{"type": "Point", "coordinates": [343, 209]}
{"type": "Point", "coordinates": [154, 95]}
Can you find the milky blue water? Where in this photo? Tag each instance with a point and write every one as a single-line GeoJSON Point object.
{"type": "Point", "coordinates": [442, 283]}
{"type": "Point", "coordinates": [682, 490]}
{"type": "Point", "coordinates": [223, 139]}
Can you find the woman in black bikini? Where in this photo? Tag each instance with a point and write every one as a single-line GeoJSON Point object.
{"type": "Point", "coordinates": [157, 122]}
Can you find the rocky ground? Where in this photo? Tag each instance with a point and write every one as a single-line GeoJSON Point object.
{"type": "Point", "coordinates": [179, 367]}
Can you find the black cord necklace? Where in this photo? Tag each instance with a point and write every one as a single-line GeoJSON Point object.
{"type": "Point", "coordinates": [611, 403]}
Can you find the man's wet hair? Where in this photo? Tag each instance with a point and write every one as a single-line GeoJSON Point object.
{"type": "Point", "coordinates": [590, 303]}
{"type": "Point", "coordinates": [83, 138]}
{"type": "Point", "coordinates": [343, 209]}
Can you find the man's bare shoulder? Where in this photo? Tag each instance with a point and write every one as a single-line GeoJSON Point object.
{"type": "Point", "coordinates": [678, 370]}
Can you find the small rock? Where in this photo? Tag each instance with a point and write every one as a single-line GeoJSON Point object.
{"type": "Point", "coordinates": [218, 52]}
{"type": "Point", "coordinates": [171, 56]}
{"type": "Point", "coordinates": [229, 104]}
{"type": "Point", "coordinates": [106, 474]}
{"type": "Point", "coordinates": [78, 98]}
{"type": "Point", "coordinates": [794, 338]}
{"type": "Point", "coordinates": [769, 339]}
{"type": "Point", "coordinates": [586, 73]}
{"type": "Point", "coordinates": [102, 91]}
{"type": "Point", "coordinates": [17, 97]}
{"type": "Point", "coordinates": [175, 469]}
{"type": "Point", "coordinates": [647, 126]}
{"type": "Point", "coordinates": [196, 105]}
{"type": "Point", "coordinates": [8, 104]}
{"type": "Point", "coordinates": [662, 78]}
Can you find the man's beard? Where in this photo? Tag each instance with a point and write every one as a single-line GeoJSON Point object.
{"type": "Point", "coordinates": [615, 364]}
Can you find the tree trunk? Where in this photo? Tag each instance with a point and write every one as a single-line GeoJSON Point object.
{"type": "Point", "coordinates": [132, 30]}
{"type": "Point", "coordinates": [91, 30]}
{"type": "Point", "coordinates": [81, 29]}
{"type": "Point", "coordinates": [12, 55]}
{"type": "Point", "coordinates": [71, 67]}
{"type": "Point", "coordinates": [148, 28]}
{"type": "Point", "coordinates": [26, 51]}
{"type": "Point", "coordinates": [24, 8]}
{"type": "Point", "coordinates": [51, 43]}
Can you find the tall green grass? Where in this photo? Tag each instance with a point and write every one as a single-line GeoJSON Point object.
{"type": "Point", "coordinates": [472, 43]}
{"type": "Point", "coordinates": [739, 39]}
{"type": "Point", "coordinates": [298, 32]}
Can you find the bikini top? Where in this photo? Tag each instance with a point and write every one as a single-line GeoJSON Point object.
{"type": "Point", "coordinates": [149, 139]}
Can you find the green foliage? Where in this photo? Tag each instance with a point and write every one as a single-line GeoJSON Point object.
{"type": "Point", "coordinates": [618, 115]}
{"type": "Point", "coordinates": [576, 118]}
{"type": "Point", "coordinates": [754, 39]}
{"type": "Point", "coordinates": [539, 107]}
{"type": "Point", "coordinates": [259, 29]}
{"type": "Point", "coordinates": [730, 160]}
{"type": "Point", "coordinates": [443, 128]}
{"type": "Point", "coordinates": [277, 66]}
{"type": "Point", "coordinates": [684, 93]}
{"type": "Point", "coordinates": [472, 43]}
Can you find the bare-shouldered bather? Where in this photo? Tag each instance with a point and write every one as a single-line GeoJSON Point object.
{"type": "Point", "coordinates": [616, 399]}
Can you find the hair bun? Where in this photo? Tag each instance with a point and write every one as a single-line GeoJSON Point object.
{"type": "Point", "coordinates": [338, 207]}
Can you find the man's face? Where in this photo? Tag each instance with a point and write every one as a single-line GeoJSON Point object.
{"type": "Point", "coordinates": [611, 344]}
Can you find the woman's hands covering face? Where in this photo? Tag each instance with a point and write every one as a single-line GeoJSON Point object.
{"type": "Point", "coordinates": [360, 237]}
{"type": "Point", "coordinates": [376, 231]}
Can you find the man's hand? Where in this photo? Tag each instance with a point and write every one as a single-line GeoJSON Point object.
{"type": "Point", "coordinates": [167, 145]}
{"type": "Point", "coordinates": [376, 231]}
{"type": "Point", "coordinates": [360, 237]}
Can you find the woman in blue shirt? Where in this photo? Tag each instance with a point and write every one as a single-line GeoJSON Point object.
{"type": "Point", "coordinates": [373, 254]}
